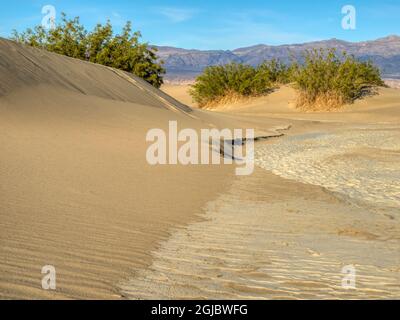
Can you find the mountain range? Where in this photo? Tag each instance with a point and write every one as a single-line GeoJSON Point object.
{"type": "Point", "coordinates": [184, 65]}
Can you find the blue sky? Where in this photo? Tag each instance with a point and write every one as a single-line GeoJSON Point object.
{"type": "Point", "coordinates": [222, 24]}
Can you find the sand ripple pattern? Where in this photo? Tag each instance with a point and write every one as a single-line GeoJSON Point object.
{"type": "Point", "coordinates": [246, 249]}
{"type": "Point", "coordinates": [272, 238]}
{"type": "Point", "coordinates": [362, 164]}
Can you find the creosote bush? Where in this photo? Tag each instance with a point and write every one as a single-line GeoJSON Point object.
{"type": "Point", "coordinates": [328, 80]}
{"type": "Point", "coordinates": [122, 51]}
{"type": "Point", "coordinates": [325, 80]}
{"type": "Point", "coordinates": [235, 81]}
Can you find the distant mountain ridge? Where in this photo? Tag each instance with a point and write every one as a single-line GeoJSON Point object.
{"type": "Point", "coordinates": [184, 65]}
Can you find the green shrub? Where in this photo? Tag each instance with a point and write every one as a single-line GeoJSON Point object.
{"type": "Point", "coordinates": [123, 51]}
{"type": "Point", "coordinates": [328, 80]}
{"type": "Point", "coordinates": [324, 80]}
{"type": "Point", "coordinates": [235, 81]}
{"type": "Point", "coordinates": [231, 82]}
{"type": "Point", "coordinates": [275, 72]}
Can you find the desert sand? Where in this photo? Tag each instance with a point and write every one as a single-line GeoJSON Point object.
{"type": "Point", "coordinates": [77, 192]}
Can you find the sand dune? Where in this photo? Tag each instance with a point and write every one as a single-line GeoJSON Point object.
{"type": "Point", "coordinates": [281, 104]}
{"type": "Point", "coordinates": [23, 67]}
{"type": "Point", "coordinates": [76, 192]}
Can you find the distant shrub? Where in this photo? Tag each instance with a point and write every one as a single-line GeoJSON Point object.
{"type": "Point", "coordinates": [327, 80]}
{"type": "Point", "coordinates": [235, 81]}
{"type": "Point", "coordinates": [276, 72]}
{"type": "Point", "coordinates": [324, 79]}
{"type": "Point", "coordinates": [226, 83]}
{"type": "Point", "coordinates": [123, 51]}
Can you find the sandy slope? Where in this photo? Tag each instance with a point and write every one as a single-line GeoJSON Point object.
{"type": "Point", "coordinates": [76, 192]}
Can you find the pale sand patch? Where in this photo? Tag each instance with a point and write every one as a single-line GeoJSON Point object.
{"type": "Point", "coordinates": [270, 238]}
{"type": "Point", "coordinates": [362, 163]}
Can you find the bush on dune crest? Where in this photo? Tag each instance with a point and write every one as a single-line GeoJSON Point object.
{"type": "Point", "coordinates": [324, 81]}
{"type": "Point", "coordinates": [102, 46]}
{"type": "Point", "coordinates": [277, 72]}
{"type": "Point", "coordinates": [232, 82]}
{"type": "Point", "coordinates": [226, 83]}
{"type": "Point", "coordinates": [327, 80]}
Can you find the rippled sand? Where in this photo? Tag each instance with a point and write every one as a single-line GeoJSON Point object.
{"type": "Point", "coordinates": [271, 238]}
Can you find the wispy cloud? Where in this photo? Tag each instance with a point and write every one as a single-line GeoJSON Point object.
{"type": "Point", "coordinates": [241, 28]}
{"type": "Point", "coordinates": [261, 27]}
{"type": "Point", "coordinates": [176, 15]}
